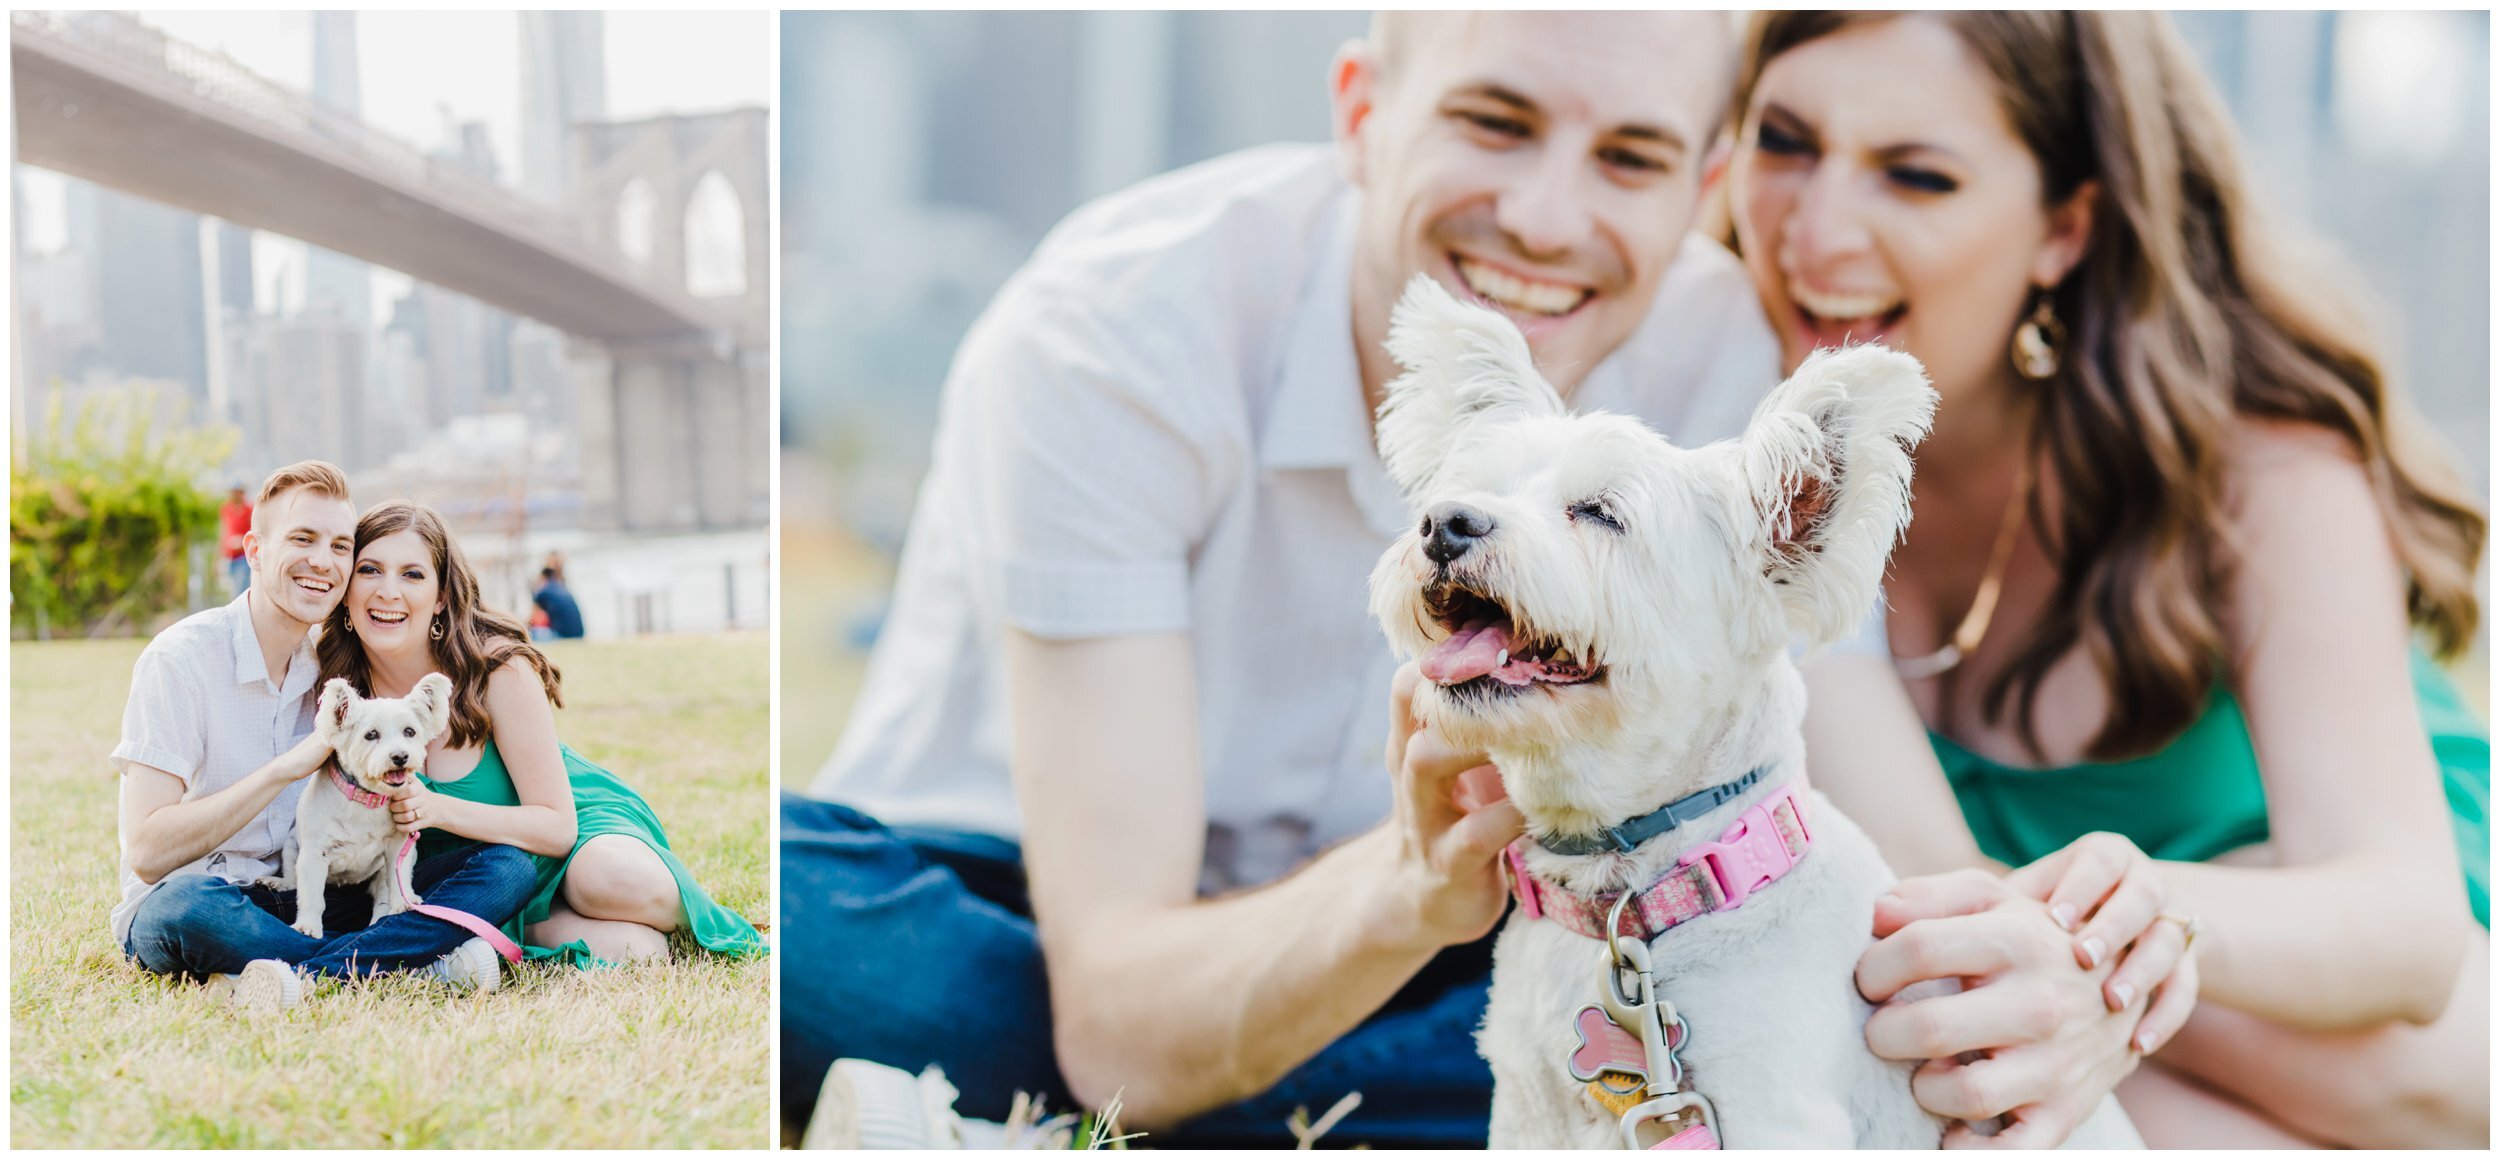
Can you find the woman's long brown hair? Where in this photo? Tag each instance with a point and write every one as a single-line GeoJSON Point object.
{"type": "Point", "coordinates": [2190, 309]}
{"type": "Point", "coordinates": [476, 639]}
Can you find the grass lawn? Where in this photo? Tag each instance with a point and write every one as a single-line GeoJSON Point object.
{"type": "Point", "coordinates": [674, 1055]}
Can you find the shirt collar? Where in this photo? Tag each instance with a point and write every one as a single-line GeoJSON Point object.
{"type": "Point", "coordinates": [249, 669]}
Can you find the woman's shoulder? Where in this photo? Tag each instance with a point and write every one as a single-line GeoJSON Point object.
{"type": "Point", "coordinates": [514, 677]}
{"type": "Point", "coordinates": [2287, 475]}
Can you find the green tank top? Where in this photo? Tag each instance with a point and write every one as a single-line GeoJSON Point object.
{"type": "Point", "coordinates": [602, 804]}
{"type": "Point", "coordinates": [2201, 796]}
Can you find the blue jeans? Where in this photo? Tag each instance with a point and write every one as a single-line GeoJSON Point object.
{"type": "Point", "coordinates": [239, 577]}
{"type": "Point", "coordinates": [911, 946]}
{"type": "Point", "coordinates": [199, 924]}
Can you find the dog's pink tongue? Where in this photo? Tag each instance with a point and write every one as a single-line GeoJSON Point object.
{"type": "Point", "coordinates": [1470, 652]}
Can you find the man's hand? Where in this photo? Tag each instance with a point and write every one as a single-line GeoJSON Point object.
{"type": "Point", "coordinates": [303, 759]}
{"type": "Point", "coordinates": [2029, 1037]}
{"type": "Point", "coordinates": [1452, 819]}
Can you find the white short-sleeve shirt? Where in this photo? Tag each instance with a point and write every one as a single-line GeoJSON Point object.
{"type": "Point", "coordinates": [1158, 426]}
{"type": "Point", "coordinates": [203, 709]}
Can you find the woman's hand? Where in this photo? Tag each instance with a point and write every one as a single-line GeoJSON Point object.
{"type": "Point", "coordinates": [414, 808]}
{"type": "Point", "coordinates": [1452, 820]}
{"type": "Point", "coordinates": [2111, 895]}
{"type": "Point", "coordinates": [2028, 1037]}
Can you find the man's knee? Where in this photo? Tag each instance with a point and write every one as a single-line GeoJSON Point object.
{"type": "Point", "coordinates": [506, 874]}
{"type": "Point", "coordinates": [180, 906]}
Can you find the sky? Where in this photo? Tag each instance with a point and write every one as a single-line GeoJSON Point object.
{"type": "Point", "coordinates": [421, 73]}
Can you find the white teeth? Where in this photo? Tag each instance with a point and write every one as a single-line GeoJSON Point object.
{"type": "Point", "coordinates": [1520, 293]}
{"type": "Point", "coordinates": [1503, 659]}
{"type": "Point", "coordinates": [1842, 307]}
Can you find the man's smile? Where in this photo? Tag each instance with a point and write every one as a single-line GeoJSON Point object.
{"type": "Point", "coordinates": [1517, 292]}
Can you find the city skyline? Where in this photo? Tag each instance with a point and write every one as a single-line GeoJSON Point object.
{"type": "Point", "coordinates": [301, 347]}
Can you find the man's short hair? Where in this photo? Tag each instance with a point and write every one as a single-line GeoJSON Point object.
{"type": "Point", "coordinates": [313, 474]}
{"type": "Point", "coordinates": [1393, 35]}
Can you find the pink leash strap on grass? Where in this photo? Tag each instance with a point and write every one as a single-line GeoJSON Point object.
{"type": "Point", "coordinates": [460, 918]}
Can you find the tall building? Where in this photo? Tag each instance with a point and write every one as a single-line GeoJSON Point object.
{"type": "Point", "coordinates": [150, 304]}
{"type": "Point", "coordinates": [302, 395]}
{"type": "Point", "coordinates": [564, 81]}
{"type": "Point", "coordinates": [334, 281]}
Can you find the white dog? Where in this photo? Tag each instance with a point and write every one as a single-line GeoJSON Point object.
{"type": "Point", "coordinates": [343, 829]}
{"type": "Point", "coordinates": [1610, 617]}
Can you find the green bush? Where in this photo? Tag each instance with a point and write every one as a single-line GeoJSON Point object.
{"type": "Point", "coordinates": [104, 510]}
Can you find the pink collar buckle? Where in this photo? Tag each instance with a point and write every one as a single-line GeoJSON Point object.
{"type": "Point", "coordinates": [1765, 842]}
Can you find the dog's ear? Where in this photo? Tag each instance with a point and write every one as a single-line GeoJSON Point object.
{"type": "Point", "coordinates": [1827, 480]}
{"type": "Point", "coordinates": [1464, 364]}
{"type": "Point", "coordinates": [432, 701]}
{"type": "Point", "coordinates": [337, 698]}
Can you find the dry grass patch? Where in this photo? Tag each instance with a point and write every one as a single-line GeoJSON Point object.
{"type": "Point", "coordinates": [675, 1055]}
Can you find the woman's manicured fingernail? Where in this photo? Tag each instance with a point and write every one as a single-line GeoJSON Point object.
{"type": "Point", "coordinates": [2093, 950]}
{"type": "Point", "coordinates": [2064, 915]}
{"type": "Point", "coordinates": [2124, 993]}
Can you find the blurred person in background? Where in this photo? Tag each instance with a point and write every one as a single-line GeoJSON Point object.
{"type": "Point", "coordinates": [1115, 767]}
{"type": "Point", "coordinates": [234, 521]}
{"type": "Point", "coordinates": [555, 606]}
{"type": "Point", "coordinates": [2152, 627]}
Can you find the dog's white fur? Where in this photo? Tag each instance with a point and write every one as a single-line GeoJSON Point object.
{"type": "Point", "coordinates": [1727, 553]}
{"type": "Point", "coordinates": [337, 840]}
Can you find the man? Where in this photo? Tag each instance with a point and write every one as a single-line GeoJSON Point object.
{"type": "Point", "coordinates": [1129, 667]}
{"type": "Point", "coordinates": [217, 740]}
{"type": "Point", "coordinates": [233, 521]}
{"type": "Point", "coordinates": [556, 603]}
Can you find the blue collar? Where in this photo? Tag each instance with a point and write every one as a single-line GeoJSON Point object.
{"type": "Point", "coordinates": [1625, 837]}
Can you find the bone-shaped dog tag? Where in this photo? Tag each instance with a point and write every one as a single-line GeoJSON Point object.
{"type": "Point", "coordinates": [1605, 1047]}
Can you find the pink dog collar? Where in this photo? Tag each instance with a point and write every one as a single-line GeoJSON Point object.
{"type": "Point", "coordinates": [1764, 844]}
{"type": "Point", "coordinates": [355, 793]}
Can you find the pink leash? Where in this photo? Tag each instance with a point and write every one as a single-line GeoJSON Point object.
{"type": "Point", "coordinates": [408, 892]}
{"type": "Point", "coordinates": [460, 918]}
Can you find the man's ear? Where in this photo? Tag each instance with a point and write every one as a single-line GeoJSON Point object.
{"type": "Point", "coordinates": [1353, 91]}
{"type": "Point", "coordinates": [1714, 163]}
{"type": "Point", "coordinates": [1827, 479]}
{"type": "Point", "coordinates": [336, 698]}
{"type": "Point", "coordinates": [1464, 364]}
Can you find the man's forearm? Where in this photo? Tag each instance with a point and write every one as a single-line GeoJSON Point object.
{"type": "Point", "coordinates": [176, 835]}
{"type": "Point", "coordinates": [1184, 1009]}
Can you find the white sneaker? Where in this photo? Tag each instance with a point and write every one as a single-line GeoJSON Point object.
{"type": "Point", "coordinates": [870, 1105]}
{"type": "Point", "coordinates": [471, 966]}
{"type": "Point", "coordinates": [263, 987]}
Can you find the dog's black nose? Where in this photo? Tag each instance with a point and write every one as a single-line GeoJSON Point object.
{"type": "Point", "coordinates": [1452, 528]}
{"type": "Point", "coordinates": [399, 760]}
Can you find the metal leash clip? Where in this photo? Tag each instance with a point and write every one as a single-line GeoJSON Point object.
{"type": "Point", "coordinates": [1653, 1019]}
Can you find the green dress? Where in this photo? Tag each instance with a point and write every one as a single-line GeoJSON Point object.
{"type": "Point", "coordinates": [2201, 796]}
{"type": "Point", "coordinates": [601, 805]}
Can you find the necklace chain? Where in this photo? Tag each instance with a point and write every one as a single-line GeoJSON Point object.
{"type": "Point", "coordinates": [1983, 604]}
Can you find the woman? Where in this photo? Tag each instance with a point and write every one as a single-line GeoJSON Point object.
{"type": "Point", "coordinates": [608, 887]}
{"type": "Point", "coordinates": [2171, 536]}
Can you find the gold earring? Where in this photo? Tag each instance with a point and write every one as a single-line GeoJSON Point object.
{"type": "Point", "coordinates": [438, 629]}
{"type": "Point", "coordinates": [2036, 342]}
